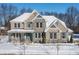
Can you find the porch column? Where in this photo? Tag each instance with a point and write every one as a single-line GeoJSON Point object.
{"type": "Point", "coordinates": [33, 37]}
{"type": "Point", "coordinates": [66, 36]}
{"type": "Point", "coordinates": [22, 37]}
{"type": "Point", "coordinates": [15, 36]}
{"type": "Point", "coordinates": [9, 34]}
{"type": "Point", "coordinates": [59, 37]}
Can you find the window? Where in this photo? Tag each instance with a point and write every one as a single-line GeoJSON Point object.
{"type": "Point", "coordinates": [37, 24]}
{"type": "Point", "coordinates": [30, 24]}
{"type": "Point", "coordinates": [18, 25]}
{"type": "Point", "coordinates": [51, 35]}
{"type": "Point", "coordinates": [15, 25]}
{"type": "Point", "coordinates": [63, 35]}
{"type": "Point", "coordinates": [40, 24]}
{"type": "Point", "coordinates": [35, 35]}
{"type": "Point", "coordinates": [55, 35]}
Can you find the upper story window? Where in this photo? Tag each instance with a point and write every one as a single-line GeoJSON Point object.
{"type": "Point", "coordinates": [18, 25]}
{"type": "Point", "coordinates": [37, 24]}
{"type": "Point", "coordinates": [40, 24]}
{"type": "Point", "coordinates": [30, 25]}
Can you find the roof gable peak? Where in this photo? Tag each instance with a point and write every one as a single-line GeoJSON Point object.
{"type": "Point", "coordinates": [34, 11]}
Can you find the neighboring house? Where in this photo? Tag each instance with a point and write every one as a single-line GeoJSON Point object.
{"type": "Point", "coordinates": [33, 27]}
{"type": "Point", "coordinates": [76, 38]}
{"type": "Point", "coordinates": [3, 30]}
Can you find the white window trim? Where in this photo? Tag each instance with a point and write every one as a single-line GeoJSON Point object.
{"type": "Point", "coordinates": [53, 37]}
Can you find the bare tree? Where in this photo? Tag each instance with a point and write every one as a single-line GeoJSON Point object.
{"type": "Point", "coordinates": [3, 9]}
{"type": "Point", "coordinates": [29, 10]}
{"type": "Point", "coordinates": [23, 10]}
{"type": "Point", "coordinates": [72, 12]}
{"type": "Point", "coordinates": [7, 12]}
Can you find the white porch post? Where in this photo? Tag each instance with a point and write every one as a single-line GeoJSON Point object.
{"type": "Point", "coordinates": [33, 36]}
{"type": "Point", "coordinates": [58, 39]}
{"type": "Point", "coordinates": [14, 40]}
{"type": "Point", "coordinates": [9, 34]}
{"type": "Point", "coordinates": [22, 36]}
{"type": "Point", "coordinates": [15, 36]}
{"type": "Point", "coordinates": [67, 36]}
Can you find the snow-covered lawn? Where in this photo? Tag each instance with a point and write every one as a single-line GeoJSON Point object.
{"type": "Point", "coordinates": [35, 48]}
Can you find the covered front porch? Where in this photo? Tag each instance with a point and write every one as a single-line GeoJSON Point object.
{"type": "Point", "coordinates": [21, 36]}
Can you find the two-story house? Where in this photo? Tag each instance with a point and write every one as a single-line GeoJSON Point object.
{"type": "Point", "coordinates": [33, 27]}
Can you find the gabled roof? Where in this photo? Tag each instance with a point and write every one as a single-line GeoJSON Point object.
{"type": "Point", "coordinates": [49, 20]}
{"type": "Point", "coordinates": [69, 30]}
{"type": "Point", "coordinates": [21, 18]}
{"type": "Point", "coordinates": [63, 23]}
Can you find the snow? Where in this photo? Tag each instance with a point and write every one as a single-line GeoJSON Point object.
{"type": "Point", "coordinates": [69, 30]}
{"type": "Point", "coordinates": [8, 48]}
{"type": "Point", "coordinates": [52, 19]}
{"type": "Point", "coordinates": [21, 18]}
{"type": "Point", "coordinates": [49, 20]}
{"type": "Point", "coordinates": [19, 31]}
{"type": "Point", "coordinates": [2, 28]}
{"type": "Point", "coordinates": [62, 23]}
{"type": "Point", "coordinates": [76, 34]}
{"type": "Point", "coordinates": [76, 39]}
{"type": "Point", "coordinates": [37, 48]}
